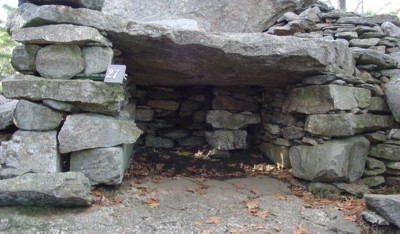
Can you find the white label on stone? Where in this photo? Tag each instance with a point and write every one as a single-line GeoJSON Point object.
{"type": "Point", "coordinates": [115, 74]}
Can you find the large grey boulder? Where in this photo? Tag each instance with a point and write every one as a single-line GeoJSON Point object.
{"type": "Point", "coordinates": [24, 57]}
{"type": "Point", "coordinates": [386, 205]}
{"type": "Point", "coordinates": [392, 94]}
{"type": "Point", "coordinates": [87, 95]}
{"type": "Point", "coordinates": [370, 56]}
{"type": "Point", "coordinates": [70, 189]}
{"type": "Point", "coordinates": [227, 139]}
{"type": "Point", "coordinates": [321, 99]}
{"type": "Point", "coordinates": [91, 4]}
{"type": "Point", "coordinates": [169, 56]}
{"type": "Point", "coordinates": [347, 124]}
{"type": "Point", "coordinates": [334, 161]}
{"type": "Point", "coordinates": [89, 131]}
{"type": "Point", "coordinates": [35, 117]}
{"type": "Point", "coordinates": [224, 16]}
{"type": "Point", "coordinates": [103, 165]}
{"type": "Point", "coordinates": [61, 33]}
{"type": "Point", "coordinates": [60, 61]}
{"type": "Point", "coordinates": [29, 151]}
{"type": "Point", "coordinates": [226, 120]}
{"type": "Point", "coordinates": [97, 59]}
{"type": "Point", "coordinates": [7, 108]}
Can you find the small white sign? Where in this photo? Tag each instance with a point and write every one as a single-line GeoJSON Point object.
{"type": "Point", "coordinates": [115, 74]}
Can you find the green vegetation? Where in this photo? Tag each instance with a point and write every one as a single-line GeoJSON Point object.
{"type": "Point", "coordinates": [6, 47]}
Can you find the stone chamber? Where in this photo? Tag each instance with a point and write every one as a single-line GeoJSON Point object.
{"type": "Point", "coordinates": [312, 88]}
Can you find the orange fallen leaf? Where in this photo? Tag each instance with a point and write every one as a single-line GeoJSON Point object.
{"type": "Point", "coordinates": [152, 201]}
{"type": "Point", "coordinates": [154, 204]}
{"type": "Point", "coordinates": [191, 190]}
{"type": "Point", "coordinates": [118, 199]}
{"type": "Point", "coordinates": [279, 196]}
{"type": "Point", "coordinates": [252, 204]}
{"type": "Point", "coordinates": [96, 193]}
{"type": "Point", "coordinates": [262, 214]}
{"type": "Point", "coordinates": [300, 230]}
{"type": "Point", "coordinates": [213, 220]}
{"type": "Point", "coordinates": [278, 228]}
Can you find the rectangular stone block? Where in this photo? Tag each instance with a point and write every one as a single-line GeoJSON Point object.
{"type": "Point", "coordinates": [324, 98]}
{"type": "Point", "coordinates": [348, 124]}
{"type": "Point", "coordinates": [103, 165]}
{"type": "Point", "coordinates": [86, 94]}
{"type": "Point", "coordinates": [385, 151]}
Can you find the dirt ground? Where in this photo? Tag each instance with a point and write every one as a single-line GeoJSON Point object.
{"type": "Point", "coordinates": [194, 192]}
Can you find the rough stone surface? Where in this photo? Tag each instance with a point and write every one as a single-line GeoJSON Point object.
{"type": "Point", "coordinates": [164, 104]}
{"type": "Point", "coordinates": [68, 189]}
{"type": "Point", "coordinates": [223, 102]}
{"type": "Point", "coordinates": [277, 154]}
{"type": "Point", "coordinates": [334, 161]}
{"type": "Point", "coordinates": [394, 134]}
{"type": "Point", "coordinates": [371, 20]}
{"type": "Point", "coordinates": [61, 33]}
{"type": "Point", "coordinates": [159, 142]}
{"type": "Point", "coordinates": [385, 205]}
{"type": "Point", "coordinates": [325, 98]}
{"type": "Point", "coordinates": [85, 94]}
{"type": "Point", "coordinates": [24, 57]}
{"type": "Point", "coordinates": [346, 124]}
{"type": "Point", "coordinates": [369, 56]}
{"type": "Point", "coordinates": [226, 16]}
{"type": "Point", "coordinates": [373, 163]}
{"type": "Point", "coordinates": [364, 43]}
{"type": "Point", "coordinates": [385, 151]}
{"type": "Point", "coordinates": [91, 4]}
{"type": "Point", "coordinates": [60, 61]}
{"type": "Point", "coordinates": [102, 165]}
{"type": "Point", "coordinates": [88, 131]}
{"type": "Point", "coordinates": [373, 181]}
{"type": "Point", "coordinates": [392, 95]}
{"type": "Point", "coordinates": [292, 132]}
{"type": "Point", "coordinates": [61, 106]}
{"type": "Point", "coordinates": [226, 120]}
{"type": "Point", "coordinates": [7, 108]}
{"type": "Point", "coordinates": [393, 180]}
{"type": "Point", "coordinates": [356, 189]}
{"type": "Point", "coordinates": [391, 29]}
{"type": "Point", "coordinates": [97, 59]}
{"type": "Point", "coordinates": [35, 117]}
{"type": "Point", "coordinates": [376, 137]}
{"type": "Point", "coordinates": [378, 105]}
{"type": "Point", "coordinates": [227, 140]}
{"type": "Point", "coordinates": [29, 151]}
{"type": "Point", "coordinates": [182, 56]}
{"type": "Point", "coordinates": [374, 218]}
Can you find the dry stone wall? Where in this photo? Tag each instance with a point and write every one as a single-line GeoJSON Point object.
{"type": "Point", "coordinates": [317, 92]}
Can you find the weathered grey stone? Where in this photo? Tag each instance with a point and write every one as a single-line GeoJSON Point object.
{"type": "Point", "coordinates": [364, 43]}
{"type": "Point", "coordinates": [393, 165]}
{"type": "Point", "coordinates": [103, 165]}
{"type": "Point", "coordinates": [61, 106]}
{"type": "Point", "coordinates": [88, 131]}
{"type": "Point", "coordinates": [392, 95]}
{"type": "Point", "coordinates": [376, 137]}
{"type": "Point", "coordinates": [288, 16]}
{"type": "Point", "coordinates": [373, 181]}
{"type": "Point", "coordinates": [374, 218]}
{"type": "Point", "coordinates": [159, 142]}
{"type": "Point", "coordinates": [35, 117]}
{"type": "Point", "coordinates": [357, 189]}
{"type": "Point", "coordinates": [394, 134]}
{"type": "Point", "coordinates": [68, 189]}
{"type": "Point", "coordinates": [371, 20]}
{"type": "Point", "coordinates": [393, 180]}
{"type": "Point", "coordinates": [385, 205]}
{"type": "Point", "coordinates": [277, 154]}
{"type": "Point", "coordinates": [228, 103]}
{"type": "Point", "coordinates": [325, 98]}
{"type": "Point", "coordinates": [392, 172]}
{"type": "Point", "coordinates": [227, 120]}
{"type": "Point", "coordinates": [283, 118]}
{"type": "Point", "coordinates": [24, 57]}
{"type": "Point", "coordinates": [61, 33]}
{"type": "Point", "coordinates": [385, 151]}
{"type": "Point", "coordinates": [373, 163]}
{"type": "Point", "coordinates": [319, 79]}
{"type": "Point", "coordinates": [30, 152]}
{"type": "Point", "coordinates": [346, 124]}
{"type": "Point", "coordinates": [334, 161]}
{"type": "Point", "coordinates": [226, 16]}
{"type": "Point", "coordinates": [369, 56]}
{"type": "Point", "coordinates": [84, 94]}
{"type": "Point", "coordinates": [227, 139]}
{"type": "Point", "coordinates": [202, 51]}
{"type": "Point", "coordinates": [59, 61]}
{"type": "Point", "coordinates": [378, 105]}
{"type": "Point", "coordinates": [144, 114]}
{"type": "Point", "coordinates": [347, 35]}
{"type": "Point", "coordinates": [282, 141]}
{"type": "Point", "coordinates": [374, 172]}
{"type": "Point", "coordinates": [323, 190]}
{"type": "Point", "coordinates": [292, 132]}
{"type": "Point", "coordinates": [7, 108]}
{"type": "Point", "coordinates": [97, 59]}
{"type": "Point", "coordinates": [391, 29]}
{"type": "Point", "coordinates": [91, 4]}
{"type": "Point", "coordinates": [274, 129]}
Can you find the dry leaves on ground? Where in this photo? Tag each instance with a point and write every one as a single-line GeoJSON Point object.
{"type": "Point", "coordinates": [117, 199]}
{"type": "Point", "coordinates": [279, 196]}
{"type": "Point", "coordinates": [254, 210]}
{"type": "Point", "coordinates": [350, 207]}
{"type": "Point", "coordinates": [152, 202]}
{"type": "Point", "coordinates": [300, 230]}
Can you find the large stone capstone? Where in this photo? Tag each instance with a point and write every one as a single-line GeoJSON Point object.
{"type": "Point", "coordinates": [221, 16]}
{"type": "Point", "coordinates": [334, 161]}
{"type": "Point", "coordinates": [89, 131]}
{"type": "Point", "coordinates": [170, 55]}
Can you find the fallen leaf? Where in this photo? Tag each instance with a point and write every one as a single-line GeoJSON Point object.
{"type": "Point", "coordinates": [198, 223]}
{"type": "Point", "coordinates": [278, 228]}
{"type": "Point", "coordinates": [252, 204]}
{"type": "Point", "coordinates": [262, 214]}
{"type": "Point", "coordinates": [152, 201]}
{"type": "Point", "coordinates": [154, 205]}
{"type": "Point", "coordinates": [213, 220]}
{"type": "Point", "coordinates": [118, 199]}
{"type": "Point", "coordinates": [96, 193]}
{"type": "Point", "coordinates": [191, 190]}
{"type": "Point", "coordinates": [300, 230]}
{"type": "Point", "coordinates": [253, 191]}
{"type": "Point", "coordinates": [279, 196]}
